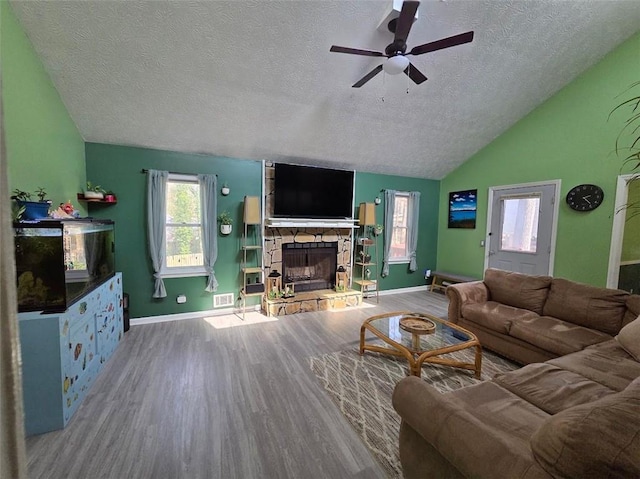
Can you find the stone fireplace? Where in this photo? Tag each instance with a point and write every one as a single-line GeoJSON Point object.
{"type": "Point", "coordinates": [308, 256]}
{"type": "Point", "coordinates": [309, 266]}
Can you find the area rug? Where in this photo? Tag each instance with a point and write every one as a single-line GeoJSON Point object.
{"type": "Point", "coordinates": [361, 386]}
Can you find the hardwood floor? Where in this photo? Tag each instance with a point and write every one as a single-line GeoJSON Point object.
{"type": "Point", "coordinates": [183, 399]}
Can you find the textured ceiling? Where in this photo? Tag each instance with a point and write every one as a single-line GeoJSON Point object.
{"type": "Point", "coordinates": [255, 79]}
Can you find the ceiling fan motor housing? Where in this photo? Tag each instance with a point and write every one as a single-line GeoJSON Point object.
{"type": "Point", "coordinates": [396, 48]}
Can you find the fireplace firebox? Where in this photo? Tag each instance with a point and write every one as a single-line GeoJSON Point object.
{"type": "Point", "coordinates": [309, 266]}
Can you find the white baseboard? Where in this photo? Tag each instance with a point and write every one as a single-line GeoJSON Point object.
{"type": "Point", "coordinates": [411, 289]}
{"type": "Point", "coordinates": [192, 315]}
{"type": "Point", "coordinates": [223, 311]}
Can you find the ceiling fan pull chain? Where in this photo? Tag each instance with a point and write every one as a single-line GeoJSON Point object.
{"type": "Point", "coordinates": [408, 71]}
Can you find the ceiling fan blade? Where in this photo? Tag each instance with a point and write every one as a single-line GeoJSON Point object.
{"type": "Point", "coordinates": [367, 77]}
{"type": "Point", "coordinates": [416, 75]}
{"type": "Point", "coordinates": [355, 51]}
{"type": "Point", "coordinates": [443, 43]}
{"type": "Point", "coordinates": [405, 21]}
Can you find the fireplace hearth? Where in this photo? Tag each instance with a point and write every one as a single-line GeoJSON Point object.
{"type": "Point", "coordinates": [309, 266]}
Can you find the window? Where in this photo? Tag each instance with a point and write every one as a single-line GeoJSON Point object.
{"type": "Point", "coordinates": [520, 224]}
{"type": "Point", "coordinates": [399, 252]}
{"type": "Point", "coordinates": [183, 228]}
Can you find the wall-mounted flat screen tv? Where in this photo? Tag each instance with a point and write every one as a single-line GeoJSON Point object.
{"type": "Point", "coordinates": [311, 192]}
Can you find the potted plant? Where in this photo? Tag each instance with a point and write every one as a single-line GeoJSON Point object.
{"type": "Point", "coordinates": [627, 144]}
{"type": "Point", "coordinates": [378, 230]}
{"type": "Point", "coordinates": [92, 192]}
{"type": "Point", "coordinates": [110, 197]}
{"type": "Point", "coordinates": [225, 220]}
{"type": "Point", "coordinates": [31, 210]}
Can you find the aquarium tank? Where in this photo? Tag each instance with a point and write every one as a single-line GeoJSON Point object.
{"type": "Point", "coordinates": [59, 261]}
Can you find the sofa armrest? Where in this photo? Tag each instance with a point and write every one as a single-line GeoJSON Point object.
{"type": "Point", "coordinates": [476, 448]}
{"type": "Point", "coordinates": [461, 293]}
{"type": "Point", "coordinates": [423, 408]}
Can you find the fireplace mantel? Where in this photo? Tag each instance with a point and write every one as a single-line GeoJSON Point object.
{"type": "Point", "coordinates": [310, 223]}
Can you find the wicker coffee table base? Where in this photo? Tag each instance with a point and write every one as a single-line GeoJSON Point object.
{"type": "Point", "coordinates": [417, 358]}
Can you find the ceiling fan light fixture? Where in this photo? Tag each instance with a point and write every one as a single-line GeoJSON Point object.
{"type": "Point", "coordinates": [396, 64]}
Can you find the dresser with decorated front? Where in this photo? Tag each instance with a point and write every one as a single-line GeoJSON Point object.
{"type": "Point", "coordinates": [71, 314]}
{"type": "Point", "coordinates": [62, 354]}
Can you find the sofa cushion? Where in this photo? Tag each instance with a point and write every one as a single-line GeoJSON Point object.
{"type": "Point", "coordinates": [629, 338]}
{"type": "Point", "coordinates": [633, 309]}
{"type": "Point", "coordinates": [517, 290]}
{"type": "Point", "coordinates": [599, 439]}
{"type": "Point", "coordinates": [606, 363]}
{"type": "Point", "coordinates": [551, 388]}
{"type": "Point", "coordinates": [495, 316]}
{"type": "Point", "coordinates": [555, 335]}
{"type": "Point", "coordinates": [588, 306]}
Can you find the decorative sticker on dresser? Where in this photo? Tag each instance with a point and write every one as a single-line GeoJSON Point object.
{"type": "Point", "coordinates": [92, 329]}
{"type": "Point", "coordinates": [63, 353]}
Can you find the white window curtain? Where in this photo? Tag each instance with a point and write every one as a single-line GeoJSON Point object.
{"type": "Point", "coordinates": [13, 461]}
{"type": "Point", "coordinates": [156, 218]}
{"type": "Point", "coordinates": [412, 227]}
{"type": "Point", "coordinates": [208, 208]}
{"type": "Point", "coordinates": [389, 208]}
{"type": "Point", "coordinates": [413, 223]}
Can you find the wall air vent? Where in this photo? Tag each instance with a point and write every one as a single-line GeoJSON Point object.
{"type": "Point", "coordinates": [222, 300]}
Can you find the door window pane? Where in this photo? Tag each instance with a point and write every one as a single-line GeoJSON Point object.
{"type": "Point", "coordinates": [520, 224]}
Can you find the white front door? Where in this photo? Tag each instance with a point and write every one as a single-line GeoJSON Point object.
{"type": "Point", "coordinates": [521, 227]}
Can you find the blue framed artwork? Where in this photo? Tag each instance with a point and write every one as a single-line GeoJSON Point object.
{"type": "Point", "coordinates": [462, 209]}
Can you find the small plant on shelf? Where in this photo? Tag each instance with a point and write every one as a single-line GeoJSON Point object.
{"type": "Point", "coordinates": [226, 221]}
{"type": "Point", "coordinates": [93, 192]}
{"type": "Point", "coordinates": [273, 294]}
{"type": "Point", "coordinates": [41, 193]}
{"type": "Point", "coordinates": [20, 195]}
{"type": "Point", "coordinates": [30, 210]}
{"type": "Point", "coordinates": [225, 218]}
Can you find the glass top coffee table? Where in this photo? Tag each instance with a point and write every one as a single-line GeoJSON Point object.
{"type": "Point", "coordinates": [420, 338]}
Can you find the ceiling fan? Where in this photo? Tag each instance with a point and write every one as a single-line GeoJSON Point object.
{"type": "Point", "coordinates": [396, 51]}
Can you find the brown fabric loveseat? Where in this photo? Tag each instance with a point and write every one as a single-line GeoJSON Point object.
{"type": "Point", "coordinates": [576, 415]}
{"type": "Point", "coordinates": [536, 318]}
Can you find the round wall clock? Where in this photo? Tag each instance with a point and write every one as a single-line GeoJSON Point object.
{"type": "Point", "coordinates": [585, 197]}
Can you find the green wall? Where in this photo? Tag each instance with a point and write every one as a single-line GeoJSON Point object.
{"type": "Point", "coordinates": [569, 138]}
{"type": "Point", "coordinates": [368, 186]}
{"type": "Point", "coordinates": [44, 147]}
{"type": "Point", "coordinates": [119, 168]}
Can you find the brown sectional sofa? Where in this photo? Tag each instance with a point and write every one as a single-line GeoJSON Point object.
{"type": "Point", "coordinates": [577, 415]}
{"type": "Point", "coordinates": [536, 318]}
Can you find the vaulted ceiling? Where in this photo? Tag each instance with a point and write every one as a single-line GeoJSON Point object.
{"type": "Point", "coordinates": [255, 79]}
